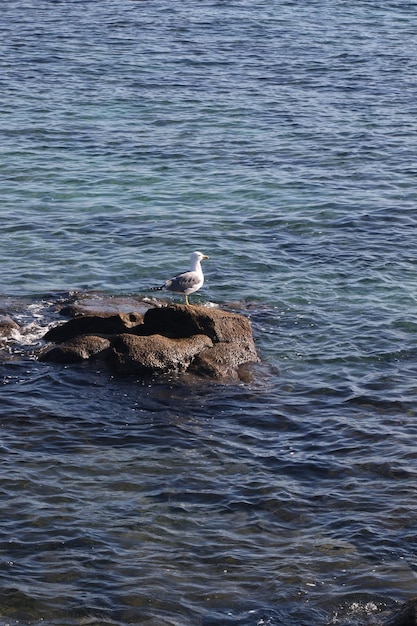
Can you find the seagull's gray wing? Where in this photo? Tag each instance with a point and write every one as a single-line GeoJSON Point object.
{"type": "Point", "coordinates": [183, 281]}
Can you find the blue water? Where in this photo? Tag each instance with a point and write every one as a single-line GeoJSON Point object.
{"type": "Point", "coordinates": [279, 138]}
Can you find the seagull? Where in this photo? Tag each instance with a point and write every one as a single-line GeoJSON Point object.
{"type": "Point", "coordinates": [187, 282]}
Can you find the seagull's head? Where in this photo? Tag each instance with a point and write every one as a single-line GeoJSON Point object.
{"type": "Point", "coordinates": [198, 256]}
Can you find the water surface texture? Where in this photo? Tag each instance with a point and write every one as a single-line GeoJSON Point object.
{"type": "Point", "coordinates": [280, 139]}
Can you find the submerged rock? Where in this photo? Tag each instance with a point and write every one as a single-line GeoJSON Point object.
{"type": "Point", "coordinates": [174, 339]}
{"type": "Point", "coordinates": [405, 616]}
{"type": "Point", "coordinates": [96, 303]}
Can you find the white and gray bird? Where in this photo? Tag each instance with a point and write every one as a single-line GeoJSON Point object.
{"type": "Point", "coordinates": [187, 282]}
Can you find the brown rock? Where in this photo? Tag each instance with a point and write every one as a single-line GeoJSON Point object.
{"type": "Point", "coordinates": [104, 324]}
{"type": "Point", "coordinates": [208, 342]}
{"type": "Point", "coordinates": [155, 354]}
{"type": "Point", "coordinates": [223, 361]}
{"type": "Point", "coordinates": [185, 321]}
{"type": "Point", "coordinates": [7, 326]}
{"type": "Point", "coordinates": [76, 350]}
{"type": "Point", "coordinates": [231, 334]}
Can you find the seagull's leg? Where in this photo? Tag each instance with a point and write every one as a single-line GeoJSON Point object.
{"type": "Point", "coordinates": [186, 299]}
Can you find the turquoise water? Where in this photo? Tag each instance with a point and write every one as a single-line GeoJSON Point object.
{"type": "Point", "coordinates": [279, 138]}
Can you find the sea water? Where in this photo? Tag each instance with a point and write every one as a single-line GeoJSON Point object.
{"type": "Point", "coordinates": [279, 138]}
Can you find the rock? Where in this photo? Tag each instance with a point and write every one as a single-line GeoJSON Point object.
{"type": "Point", "coordinates": [104, 324]}
{"type": "Point", "coordinates": [155, 354]}
{"type": "Point", "coordinates": [405, 616]}
{"type": "Point", "coordinates": [231, 334]}
{"type": "Point", "coordinates": [223, 361]}
{"type": "Point", "coordinates": [8, 327]}
{"type": "Point", "coordinates": [174, 339]}
{"type": "Point", "coordinates": [76, 350]}
{"type": "Point", "coordinates": [185, 321]}
{"type": "Point", "coordinates": [82, 304]}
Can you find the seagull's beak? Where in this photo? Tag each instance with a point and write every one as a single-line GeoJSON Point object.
{"type": "Point", "coordinates": [205, 256]}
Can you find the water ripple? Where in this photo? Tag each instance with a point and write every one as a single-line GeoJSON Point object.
{"type": "Point", "coordinates": [284, 152]}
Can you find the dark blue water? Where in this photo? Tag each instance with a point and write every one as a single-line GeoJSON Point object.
{"type": "Point", "coordinates": [279, 138]}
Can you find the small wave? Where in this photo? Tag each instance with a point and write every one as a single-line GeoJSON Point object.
{"type": "Point", "coordinates": [32, 320]}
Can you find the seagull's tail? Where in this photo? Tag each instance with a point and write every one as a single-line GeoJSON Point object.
{"type": "Point", "coordinates": [157, 288]}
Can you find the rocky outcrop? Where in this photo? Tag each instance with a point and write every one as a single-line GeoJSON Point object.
{"type": "Point", "coordinates": [206, 342]}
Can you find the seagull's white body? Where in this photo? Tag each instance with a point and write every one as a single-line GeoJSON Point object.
{"type": "Point", "coordinates": [187, 282]}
